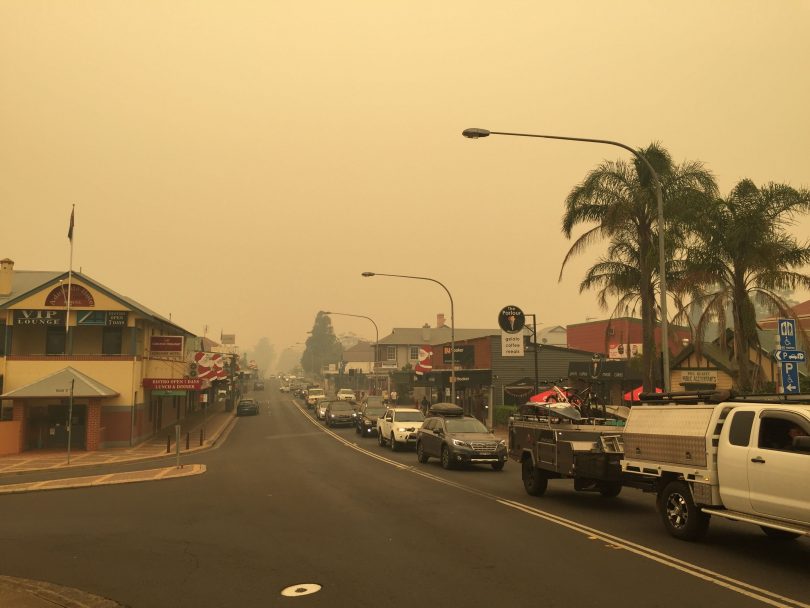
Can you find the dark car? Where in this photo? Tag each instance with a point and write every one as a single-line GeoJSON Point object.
{"type": "Point", "coordinates": [339, 412]}
{"type": "Point", "coordinates": [247, 407]}
{"type": "Point", "coordinates": [457, 439]}
{"type": "Point", "coordinates": [366, 419]}
{"type": "Point", "coordinates": [258, 386]}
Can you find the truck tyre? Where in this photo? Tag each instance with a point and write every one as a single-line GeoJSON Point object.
{"type": "Point", "coordinates": [609, 489]}
{"type": "Point", "coordinates": [394, 444]}
{"type": "Point", "coordinates": [447, 461]}
{"type": "Point", "coordinates": [498, 466]}
{"type": "Point", "coordinates": [534, 480]}
{"type": "Point", "coordinates": [380, 439]}
{"type": "Point", "coordinates": [775, 534]}
{"type": "Point", "coordinates": [420, 453]}
{"type": "Point", "coordinates": [681, 517]}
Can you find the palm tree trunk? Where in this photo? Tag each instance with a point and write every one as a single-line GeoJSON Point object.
{"type": "Point", "coordinates": [648, 318]}
{"type": "Point", "coordinates": [741, 344]}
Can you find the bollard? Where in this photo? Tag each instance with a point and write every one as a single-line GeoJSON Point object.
{"type": "Point", "coordinates": [188, 438]}
{"type": "Point", "coordinates": [169, 443]}
{"type": "Point", "coordinates": [201, 436]}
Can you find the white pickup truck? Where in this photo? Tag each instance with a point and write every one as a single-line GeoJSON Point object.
{"type": "Point", "coordinates": [746, 459]}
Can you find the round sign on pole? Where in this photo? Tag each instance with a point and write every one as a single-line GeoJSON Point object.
{"type": "Point", "coordinates": [511, 319]}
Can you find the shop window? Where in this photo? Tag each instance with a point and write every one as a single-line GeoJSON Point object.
{"type": "Point", "coordinates": [111, 341]}
{"type": "Point", "coordinates": [55, 340]}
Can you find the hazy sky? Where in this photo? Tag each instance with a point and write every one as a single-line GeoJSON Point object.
{"type": "Point", "coordinates": [238, 164]}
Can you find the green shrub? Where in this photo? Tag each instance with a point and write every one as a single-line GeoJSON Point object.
{"type": "Point", "coordinates": [502, 413]}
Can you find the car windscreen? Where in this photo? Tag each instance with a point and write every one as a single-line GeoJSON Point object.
{"type": "Point", "coordinates": [315, 391]}
{"type": "Point", "coordinates": [375, 411]}
{"type": "Point", "coordinates": [409, 416]}
{"type": "Point", "coordinates": [341, 406]}
{"type": "Point", "coordinates": [464, 425]}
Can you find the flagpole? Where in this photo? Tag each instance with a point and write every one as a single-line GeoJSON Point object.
{"type": "Point", "coordinates": [70, 280]}
{"type": "Point", "coordinates": [70, 418]}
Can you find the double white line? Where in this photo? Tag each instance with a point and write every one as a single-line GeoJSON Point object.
{"type": "Point", "coordinates": [615, 542]}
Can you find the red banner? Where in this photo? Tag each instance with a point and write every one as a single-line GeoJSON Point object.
{"type": "Point", "coordinates": [173, 384]}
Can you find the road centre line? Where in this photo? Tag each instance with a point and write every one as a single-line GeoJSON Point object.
{"type": "Point", "coordinates": [727, 582]}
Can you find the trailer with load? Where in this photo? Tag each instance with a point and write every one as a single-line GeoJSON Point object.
{"type": "Point", "coordinates": [741, 458]}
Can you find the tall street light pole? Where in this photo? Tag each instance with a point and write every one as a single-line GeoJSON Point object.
{"type": "Point", "coordinates": [452, 325]}
{"type": "Point", "coordinates": [376, 331]}
{"type": "Point", "coordinates": [479, 133]}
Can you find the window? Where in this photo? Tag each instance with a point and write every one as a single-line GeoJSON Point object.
{"type": "Point", "coordinates": [391, 353]}
{"type": "Point", "coordinates": [740, 431]}
{"type": "Point", "coordinates": [111, 341]}
{"type": "Point", "coordinates": [777, 430]}
{"type": "Point", "coordinates": [55, 340]}
{"type": "Point", "coordinates": [2, 339]}
{"type": "Point", "coordinates": [414, 354]}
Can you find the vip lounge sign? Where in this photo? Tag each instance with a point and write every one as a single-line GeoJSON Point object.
{"type": "Point", "coordinates": [39, 317]}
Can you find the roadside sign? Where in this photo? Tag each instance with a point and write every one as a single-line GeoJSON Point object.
{"type": "Point", "coordinates": [511, 319]}
{"type": "Point", "coordinates": [787, 333]}
{"type": "Point", "coordinates": [511, 345]}
{"type": "Point", "coordinates": [790, 378]}
{"type": "Point", "coordinates": [790, 355]}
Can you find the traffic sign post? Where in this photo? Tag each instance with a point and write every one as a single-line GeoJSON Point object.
{"type": "Point", "coordinates": [787, 334]}
{"type": "Point", "coordinates": [788, 356]}
{"type": "Point", "coordinates": [790, 378]}
{"type": "Point", "coordinates": [798, 356]}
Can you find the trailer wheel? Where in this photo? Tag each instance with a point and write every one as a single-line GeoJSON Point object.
{"type": "Point", "coordinates": [775, 534]}
{"type": "Point", "coordinates": [609, 489]}
{"type": "Point", "coordinates": [681, 517]}
{"type": "Point", "coordinates": [534, 480]}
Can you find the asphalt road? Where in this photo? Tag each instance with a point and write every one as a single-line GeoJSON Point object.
{"type": "Point", "coordinates": [286, 502]}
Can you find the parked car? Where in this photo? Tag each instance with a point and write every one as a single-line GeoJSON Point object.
{"type": "Point", "coordinates": [457, 439]}
{"type": "Point", "coordinates": [320, 409]}
{"type": "Point", "coordinates": [284, 388]}
{"type": "Point", "coordinates": [247, 407]}
{"type": "Point", "coordinates": [346, 394]}
{"type": "Point", "coordinates": [339, 413]}
{"type": "Point", "coordinates": [398, 426]}
{"type": "Point", "coordinates": [366, 419]}
{"type": "Point", "coordinates": [258, 385]}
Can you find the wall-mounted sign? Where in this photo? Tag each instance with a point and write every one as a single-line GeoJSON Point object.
{"type": "Point", "coordinates": [39, 317]}
{"type": "Point", "coordinates": [172, 384]}
{"type": "Point", "coordinates": [79, 296]}
{"type": "Point", "coordinates": [227, 338]}
{"type": "Point", "coordinates": [465, 355]}
{"type": "Point", "coordinates": [167, 346]}
{"type": "Point", "coordinates": [104, 318]}
{"type": "Point", "coordinates": [699, 376]}
{"type": "Point", "coordinates": [511, 319]}
{"type": "Point", "coordinates": [625, 351]}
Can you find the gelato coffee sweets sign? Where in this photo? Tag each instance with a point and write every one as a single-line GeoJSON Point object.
{"type": "Point", "coordinates": [511, 319]}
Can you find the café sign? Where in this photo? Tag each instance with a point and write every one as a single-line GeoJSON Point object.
{"type": "Point", "coordinates": [699, 376]}
{"type": "Point", "coordinates": [172, 384]}
{"type": "Point", "coordinates": [40, 317]}
{"type": "Point", "coordinates": [166, 345]}
{"type": "Point", "coordinates": [104, 318]}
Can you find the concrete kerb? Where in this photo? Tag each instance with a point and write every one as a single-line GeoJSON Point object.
{"type": "Point", "coordinates": [27, 593]}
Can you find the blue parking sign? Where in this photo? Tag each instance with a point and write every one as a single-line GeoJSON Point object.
{"type": "Point", "coordinates": [790, 378]}
{"type": "Point", "coordinates": [787, 333]}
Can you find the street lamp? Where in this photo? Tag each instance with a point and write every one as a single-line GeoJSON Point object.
{"type": "Point", "coordinates": [376, 330]}
{"type": "Point", "coordinates": [479, 133]}
{"type": "Point", "coordinates": [452, 325]}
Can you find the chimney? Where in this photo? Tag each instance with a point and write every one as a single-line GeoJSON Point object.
{"type": "Point", "coordinates": [6, 276]}
{"type": "Point", "coordinates": [440, 320]}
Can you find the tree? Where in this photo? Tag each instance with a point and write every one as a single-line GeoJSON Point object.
{"type": "Point", "coordinates": [619, 198]}
{"type": "Point", "coordinates": [742, 255]}
{"type": "Point", "coordinates": [322, 346]}
{"type": "Point", "coordinates": [263, 354]}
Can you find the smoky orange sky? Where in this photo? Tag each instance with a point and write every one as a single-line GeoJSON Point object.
{"type": "Point", "coordinates": [238, 164]}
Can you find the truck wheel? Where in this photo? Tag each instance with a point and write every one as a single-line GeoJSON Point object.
{"type": "Point", "coordinates": [420, 453]}
{"type": "Point", "coordinates": [380, 440]}
{"type": "Point", "coordinates": [447, 461]}
{"type": "Point", "coordinates": [394, 444]}
{"type": "Point", "coordinates": [498, 466]}
{"type": "Point", "coordinates": [775, 534]}
{"type": "Point", "coordinates": [609, 489]}
{"type": "Point", "coordinates": [534, 480]}
{"type": "Point", "coordinates": [680, 515]}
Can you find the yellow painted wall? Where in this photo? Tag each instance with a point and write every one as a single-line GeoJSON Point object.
{"type": "Point", "coordinates": [117, 375]}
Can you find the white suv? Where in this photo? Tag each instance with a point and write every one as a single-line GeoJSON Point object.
{"type": "Point", "coordinates": [398, 426]}
{"type": "Point", "coordinates": [314, 395]}
{"type": "Point", "coordinates": [346, 394]}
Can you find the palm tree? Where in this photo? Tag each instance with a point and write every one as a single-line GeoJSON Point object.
{"type": "Point", "coordinates": [619, 198]}
{"type": "Point", "coordinates": [743, 255]}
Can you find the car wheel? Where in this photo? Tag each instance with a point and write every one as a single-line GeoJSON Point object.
{"type": "Point", "coordinates": [609, 489]}
{"type": "Point", "coordinates": [535, 481]}
{"type": "Point", "coordinates": [420, 453]}
{"type": "Point", "coordinates": [380, 439]}
{"type": "Point", "coordinates": [681, 517]}
{"type": "Point", "coordinates": [394, 444]}
{"type": "Point", "coordinates": [447, 462]}
{"type": "Point", "coordinates": [498, 466]}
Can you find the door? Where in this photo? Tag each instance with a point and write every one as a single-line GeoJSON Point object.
{"type": "Point", "coordinates": [777, 474]}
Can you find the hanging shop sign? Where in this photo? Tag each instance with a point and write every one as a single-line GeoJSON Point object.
{"type": "Point", "coordinates": [511, 319]}
{"type": "Point", "coordinates": [102, 318]}
{"type": "Point", "coordinates": [39, 317]}
{"type": "Point", "coordinates": [172, 384]}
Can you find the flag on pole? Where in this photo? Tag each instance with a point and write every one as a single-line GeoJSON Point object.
{"type": "Point", "coordinates": [70, 228]}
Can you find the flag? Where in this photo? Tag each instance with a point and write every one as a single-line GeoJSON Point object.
{"type": "Point", "coordinates": [70, 228]}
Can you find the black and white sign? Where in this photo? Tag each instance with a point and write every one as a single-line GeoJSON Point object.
{"type": "Point", "coordinates": [511, 319]}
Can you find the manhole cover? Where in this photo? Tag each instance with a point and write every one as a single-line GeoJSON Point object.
{"type": "Point", "coordinates": [302, 589]}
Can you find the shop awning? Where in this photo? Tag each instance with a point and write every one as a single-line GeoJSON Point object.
{"type": "Point", "coordinates": [58, 385]}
